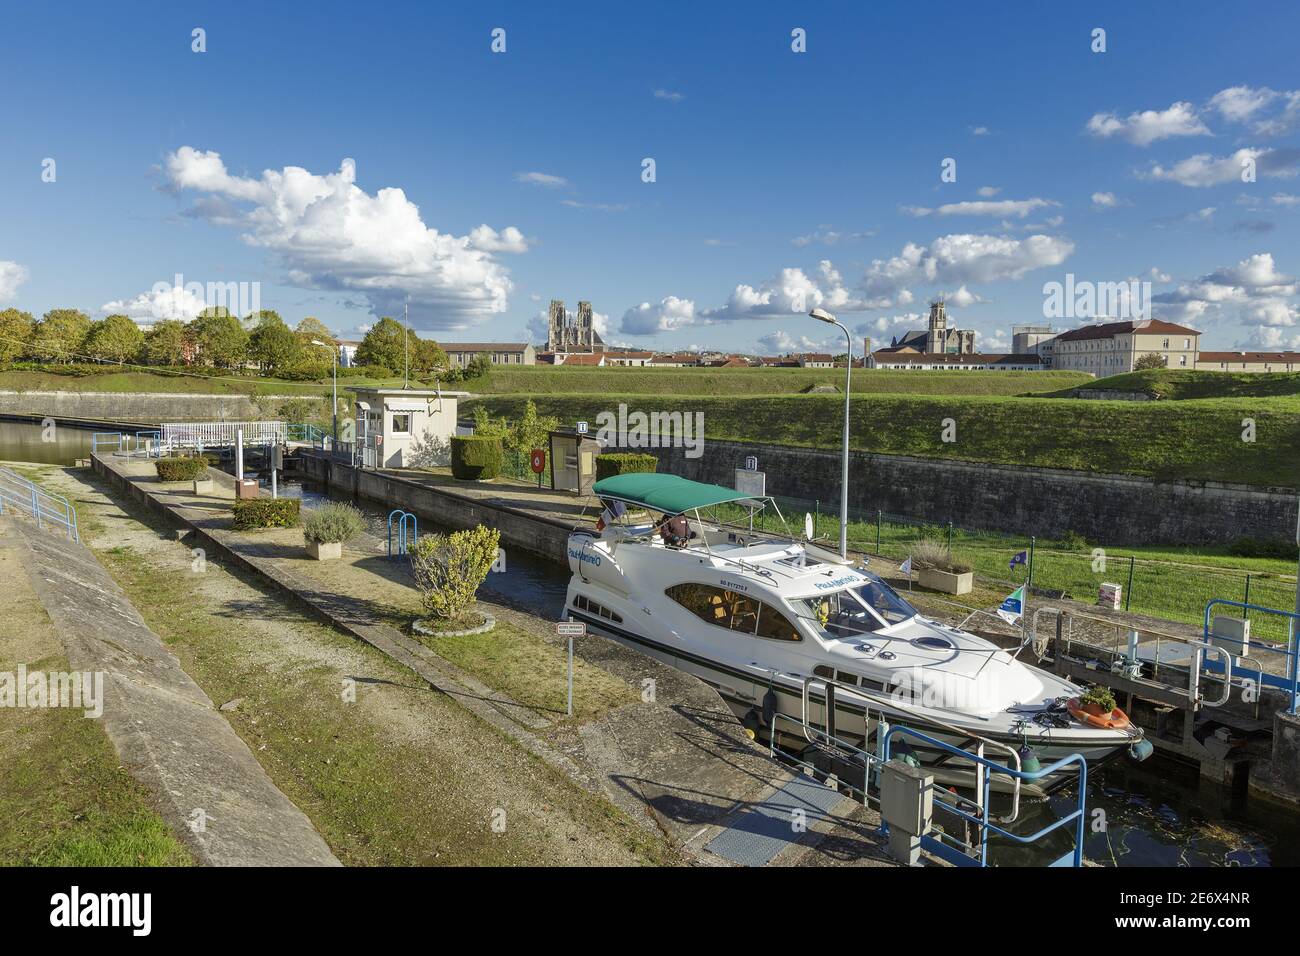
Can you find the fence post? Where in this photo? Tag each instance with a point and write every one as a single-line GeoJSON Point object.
{"type": "Point", "coordinates": [1246, 599]}
{"type": "Point", "coordinates": [1029, 583]}
{"type": "Point", "coordinates": [950, 536]}
{"type": "Point", "coordinates": [1128, 591]}
{"type": "Point", "coordinates": [879, 515]}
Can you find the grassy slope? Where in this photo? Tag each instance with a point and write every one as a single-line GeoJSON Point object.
{"type": "Point", "coordinates": [546, 380]}
{"type": "Point", "coordinates": [149, 382]}
{"type": "Point", "coordinates": [1184, 384]}
{"type": "Point", "coordinates": [1200, 440]}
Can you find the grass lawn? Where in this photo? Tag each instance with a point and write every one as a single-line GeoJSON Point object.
{"type": "Point", "coordinates": [1166, 440]}
{"type": "Point", "coordinates": [64, 798]}
{"type": "Point", "coordinates": [21, 380]}
{"type": "Point", "coordinates": [1188, 385]}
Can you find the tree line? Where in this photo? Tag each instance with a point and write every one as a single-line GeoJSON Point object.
{"type": "Point", "coordinates": [216, 339]}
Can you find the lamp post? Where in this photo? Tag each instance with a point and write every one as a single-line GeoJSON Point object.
{"type": "Point", "coordinates": [821, 315]}
{"type": "Point", "coordinates": [334, 354]}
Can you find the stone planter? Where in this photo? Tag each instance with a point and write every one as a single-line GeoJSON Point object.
{"type": "Point", "coordinates": [325, 550]}
{"type": "Point", "coordinates": [945, 581]}
{"type": "Point", "coordinates": [203, 486]}
{"type": "Point", "coordinates": [419, 627]}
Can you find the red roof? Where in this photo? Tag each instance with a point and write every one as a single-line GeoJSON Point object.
{"type": "Point", "coordinates": [947, 358]}
{"type": "Point", "coordinates": [1284, 357]}
{"type": "Point", "coordinates": [1108, 330]}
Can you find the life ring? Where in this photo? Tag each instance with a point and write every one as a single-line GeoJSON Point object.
{"type": "Point", "coordinates": [1115, 720]}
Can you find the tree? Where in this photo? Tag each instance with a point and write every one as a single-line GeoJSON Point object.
{"type": "Point", "coordinates": [531, 431]}
{"type": "Point", "coordinates": [164, 344]}
{"type": "Point", "coordinates": [479, 367]}
{"type": "Point", "coordinates": [427, 356]}
{"type": "Point", "coordinates": [15, 334]}
{"type": "Point", "coordinates": [312, 329]}
{"type": "Point", "coordinates": [59, 335]}
{"type": "Point", "coordinates": [272, 345]}
{"type": "Point", "coordinates": [383, 345]}
{"type": "Point", "coordinates": [220, 339]}
{"type": "Point", "coordinates": [114, 339]}
{"type": "Point", "coordinates": [1148, 361]}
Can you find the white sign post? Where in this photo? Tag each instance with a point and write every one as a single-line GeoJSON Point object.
{"type": "Point", "coordinates": [571, 629]}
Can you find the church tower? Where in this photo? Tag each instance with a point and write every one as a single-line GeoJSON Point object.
{"type": "Point", "coordinates": [936, 339]}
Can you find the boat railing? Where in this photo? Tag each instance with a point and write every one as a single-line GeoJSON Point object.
{"type": "Point", "coordinates": [976, 852]}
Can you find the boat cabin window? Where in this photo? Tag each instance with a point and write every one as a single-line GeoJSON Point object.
{"type": "Point", "coordinates": [734, 611]}
{"type": "Point", "coordinates": [582, 603]}
{"type": "Point", "coordinates": [859, 610]}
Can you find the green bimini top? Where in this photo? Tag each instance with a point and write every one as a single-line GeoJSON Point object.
{"type": "Point", "coordinates": [667, 493]}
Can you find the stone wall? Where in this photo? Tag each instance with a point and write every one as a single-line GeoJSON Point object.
{"type": "Point", "coordinates": [148, 408]}
{"type": "Point", "coordinates": [1106, 509]}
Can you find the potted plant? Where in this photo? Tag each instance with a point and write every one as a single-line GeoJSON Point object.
{"type": "Point", "coordinates": [327, 527]}
{"type": "Point", "coordinates": [939, 570]}
{"type": "Point", "coordinates": [1098, 701]}
{"type": "Point", "coordinates": [448, 570]}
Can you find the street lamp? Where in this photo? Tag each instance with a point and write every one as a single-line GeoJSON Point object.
{"type": "Point", "coordinates": [821, 315]}
{"type": "Point", "coordinates": [334, 354]}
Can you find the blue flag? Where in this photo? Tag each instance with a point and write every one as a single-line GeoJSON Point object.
{"type": "Point", "coordinates": [1021, 558]}
{"type": "Point", "coordinates": [1013, 606]}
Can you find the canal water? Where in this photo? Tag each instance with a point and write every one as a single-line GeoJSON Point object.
{"type": "Point", "coordinates": [1158, 813]}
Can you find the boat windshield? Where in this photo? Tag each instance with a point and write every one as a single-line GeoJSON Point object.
{"type": "Point", "coordinates": [857, 610]}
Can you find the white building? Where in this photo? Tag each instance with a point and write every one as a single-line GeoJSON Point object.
{"type": "Point", "coordinates": [390, 420]}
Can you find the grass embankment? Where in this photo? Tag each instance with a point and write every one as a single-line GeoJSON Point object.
{"type": "Point", "coordinates": [1174, 440]}
{"type": "Point", "coordinates": [64, 798]}
{"type": "Point", "coordinates": [538, 380]}
{"type": "Point", "coordinates": [135, 383]}
{"type": "Point", "coordinates": [1188, 385]}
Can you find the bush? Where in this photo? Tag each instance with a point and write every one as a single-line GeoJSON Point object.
{"type": "Point", "coordinates": [265, 513]}
{"type": "Point", "coordinates": [1073, 541]}
{"type": "Point", "coordinates": [607, 466]}
{"type": "Point", "coordinates": [448, 569]}
{"type": "Point", "coordinates": [930, 554]}
{"type": "Point", "coordinates": [181, 469]}
{"type": "Point", "coordinates": [475, 457]}
{"type": "Point", "coordinates": [1248, 547]}
{"type": "Point", "coordinates": [1102, 697]}
{"type": "Point", "coordinates": [332, 523]}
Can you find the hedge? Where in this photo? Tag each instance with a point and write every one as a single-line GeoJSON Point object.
{"type": "Point", "coordinates": [607, 466]}
{"type": "Point", "coordinates": [181, 469]}
{"type": "Point", "coordinates": [475, 457]}
{"type": "Point", "coordinates": [265, 513]}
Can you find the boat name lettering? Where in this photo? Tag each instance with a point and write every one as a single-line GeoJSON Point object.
{"type": "Point", "coordinates": [582, 555]}
{"type": "Point", "coordinates": [733, 585]}
{"type": "Point", "coordinates": [838, 582]}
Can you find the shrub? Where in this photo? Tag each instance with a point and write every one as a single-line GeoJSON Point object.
{"type": "Point", "coordinates": [475, 457]}
{"type": "Point", "coordinates": [265, 513]}
{"type": "Point", "coordinates": [1073, 541]}
{"type": "Point", "coordinates": [624, 463]}
{"type": "Point", "coordinates": [1248, 547]}
{"type": "Point", "coordinates": [332, 523]}
{"type": "Point", "coordinates": [181, 469]}
{"type": "Point", "coordinates": [448, 569]}
{"type": "Point", "coordinates": [930, 554]}
{"type": "Point", "coordinates": [1102, 697]}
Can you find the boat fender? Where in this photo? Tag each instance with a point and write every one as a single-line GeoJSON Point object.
{"type": "Point", "coordinates": [1140, 749]}
{"type": "Point", "coordinates": [769, 707]}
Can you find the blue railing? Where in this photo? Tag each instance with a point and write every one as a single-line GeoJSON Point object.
{"type": "Point", "coordinates": [404, 544]}
{"type": "Point", "coordinates": [141, 444]}
{"type": "Point", "coordinates": [20, 496]}
{"type": "Point", "coordinates": [305, 432]}
{"type": "Point", "coordinates": [977, 854]}
{"type": "Point", "coordinates": [1290, 683]}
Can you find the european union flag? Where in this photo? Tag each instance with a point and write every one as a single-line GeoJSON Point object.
{"type": "Point", "coordinates": [1021, 558]}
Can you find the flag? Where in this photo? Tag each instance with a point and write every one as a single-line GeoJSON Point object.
{"type": "Point", "coordinates": [1020, 558]}
{"type": "Point", "coordinates": [1014, 606]}
{"type": "Point", "coordinates": [906, 566]}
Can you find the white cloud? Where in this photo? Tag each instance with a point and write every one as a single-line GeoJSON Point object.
{"type": "Point", "coordinates": [1204, 169]}
{"type": "Point", "coordinates": [161, 302]}
{"type": "Point", "coordinates": [1246, 104]}
{"type": "Point", "coordinates": [993, 343]}
{"type": "Point", "coordinates": [488, 239]}
{"type": "Point", "coordinates": [965, 257]}
{"type": "Point", "coordinates": [1104, 200]}
{"type": "Point", "coordinates": [670, 95]}
{"type": "Point", "coordinates": [781, 342]}
{"type": "Point", "coordinates": [1253, 287]}
{"type": "Point", "coordinates": [541, 179]}
{"type": "Point", "coordinates": [963, 297]}
{"type": "Point", "coordinates": [597, 206]}
{"type": "Point", "coordinates": [12, 275]}
{"type": "Point", "coordinates": [1285, 199]}
{"type": "Point", "coordinates": [669, 315]}
{"type": "Point", "coordinates": [1019, 208]}
{"type": "Point", "coordinates": [979, 131]}
{"type": "Point", "coordinates": [794, 292]}
{"type": "Point", "coordinates": [1145, 128]}
{"type": "Point", "coordinates": [330, 234]}
{"type": "Point", "coordinates": [988, 192]}
{"type": "Point", "coordinates": [829, 237]}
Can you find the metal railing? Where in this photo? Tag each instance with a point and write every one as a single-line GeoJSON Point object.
{"type": "Point", "coordinates": [976, 852]}
{"type": "Point", "coordinates": [1288, 683]}
{"type": "Point", "coordinates": [214, 434]}
{"type": "Point", "coordinates": [21, 496]}
{"type": "Point", "coordinates": [404, 543]}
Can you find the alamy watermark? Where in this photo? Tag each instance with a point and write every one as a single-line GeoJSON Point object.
{"type": "Point", "coordinates": [1072, 299]}
{"type": "Point", "coordinates": [174, 298]}
{"type": "Point", "coordinates": [79, 690]}
{"type": "Point", "coordinates": [624, 429]}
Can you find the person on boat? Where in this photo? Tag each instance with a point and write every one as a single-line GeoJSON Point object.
{"type": "Point", "coordinates": [675, 531]}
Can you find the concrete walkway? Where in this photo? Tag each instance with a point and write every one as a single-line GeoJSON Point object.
{"type": "Point", "coordinates": [210, 788]}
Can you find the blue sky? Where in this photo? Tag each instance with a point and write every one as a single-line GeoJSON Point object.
{"type": "Point", "coordinates": [484, 184]}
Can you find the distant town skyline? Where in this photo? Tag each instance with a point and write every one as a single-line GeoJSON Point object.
{"type": "Point", "coordinates": [701, 176]}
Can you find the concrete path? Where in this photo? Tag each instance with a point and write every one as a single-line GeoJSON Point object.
{"type": "Point", "coordinates": [211, 789]}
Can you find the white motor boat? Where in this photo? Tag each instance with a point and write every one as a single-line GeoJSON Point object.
{"type": "Point", "coordinates": [769, 619]}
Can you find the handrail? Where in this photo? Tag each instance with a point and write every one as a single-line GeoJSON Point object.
{"type": "Point", "coordinates": [1202, 646]}
{"type": "Point", "coordinates": [1292, 678]}
{"type": "Point", "coordinates": [402, 546]}
{"type": "Point", "coordinates": [1078, 815]}
{"type": "Point", "coordinates": [27, 497]}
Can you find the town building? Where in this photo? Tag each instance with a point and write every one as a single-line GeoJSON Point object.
{"type": "Point", "coordinates": [461, 354]}
{"type": "Point", "coordinates": [816, 360]}
{"type": "Point", "coordinates": [391, 421]}
{"type": "Point", "coordinates": [1110, 348]}
{"type": "Point", "coordinates": [1248, 362]}
{"type": "Point", "coordinates": [936, 337]}
{"type": "Point", "coordinates": [568, 332]}
{"type": "Point", "coordinates": [629, 358]}
{"type": "Point", "coordinates": [348, 351]}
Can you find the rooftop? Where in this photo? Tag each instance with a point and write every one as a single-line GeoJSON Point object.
{"type": "Point", "coordinates": [1108, 330]}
